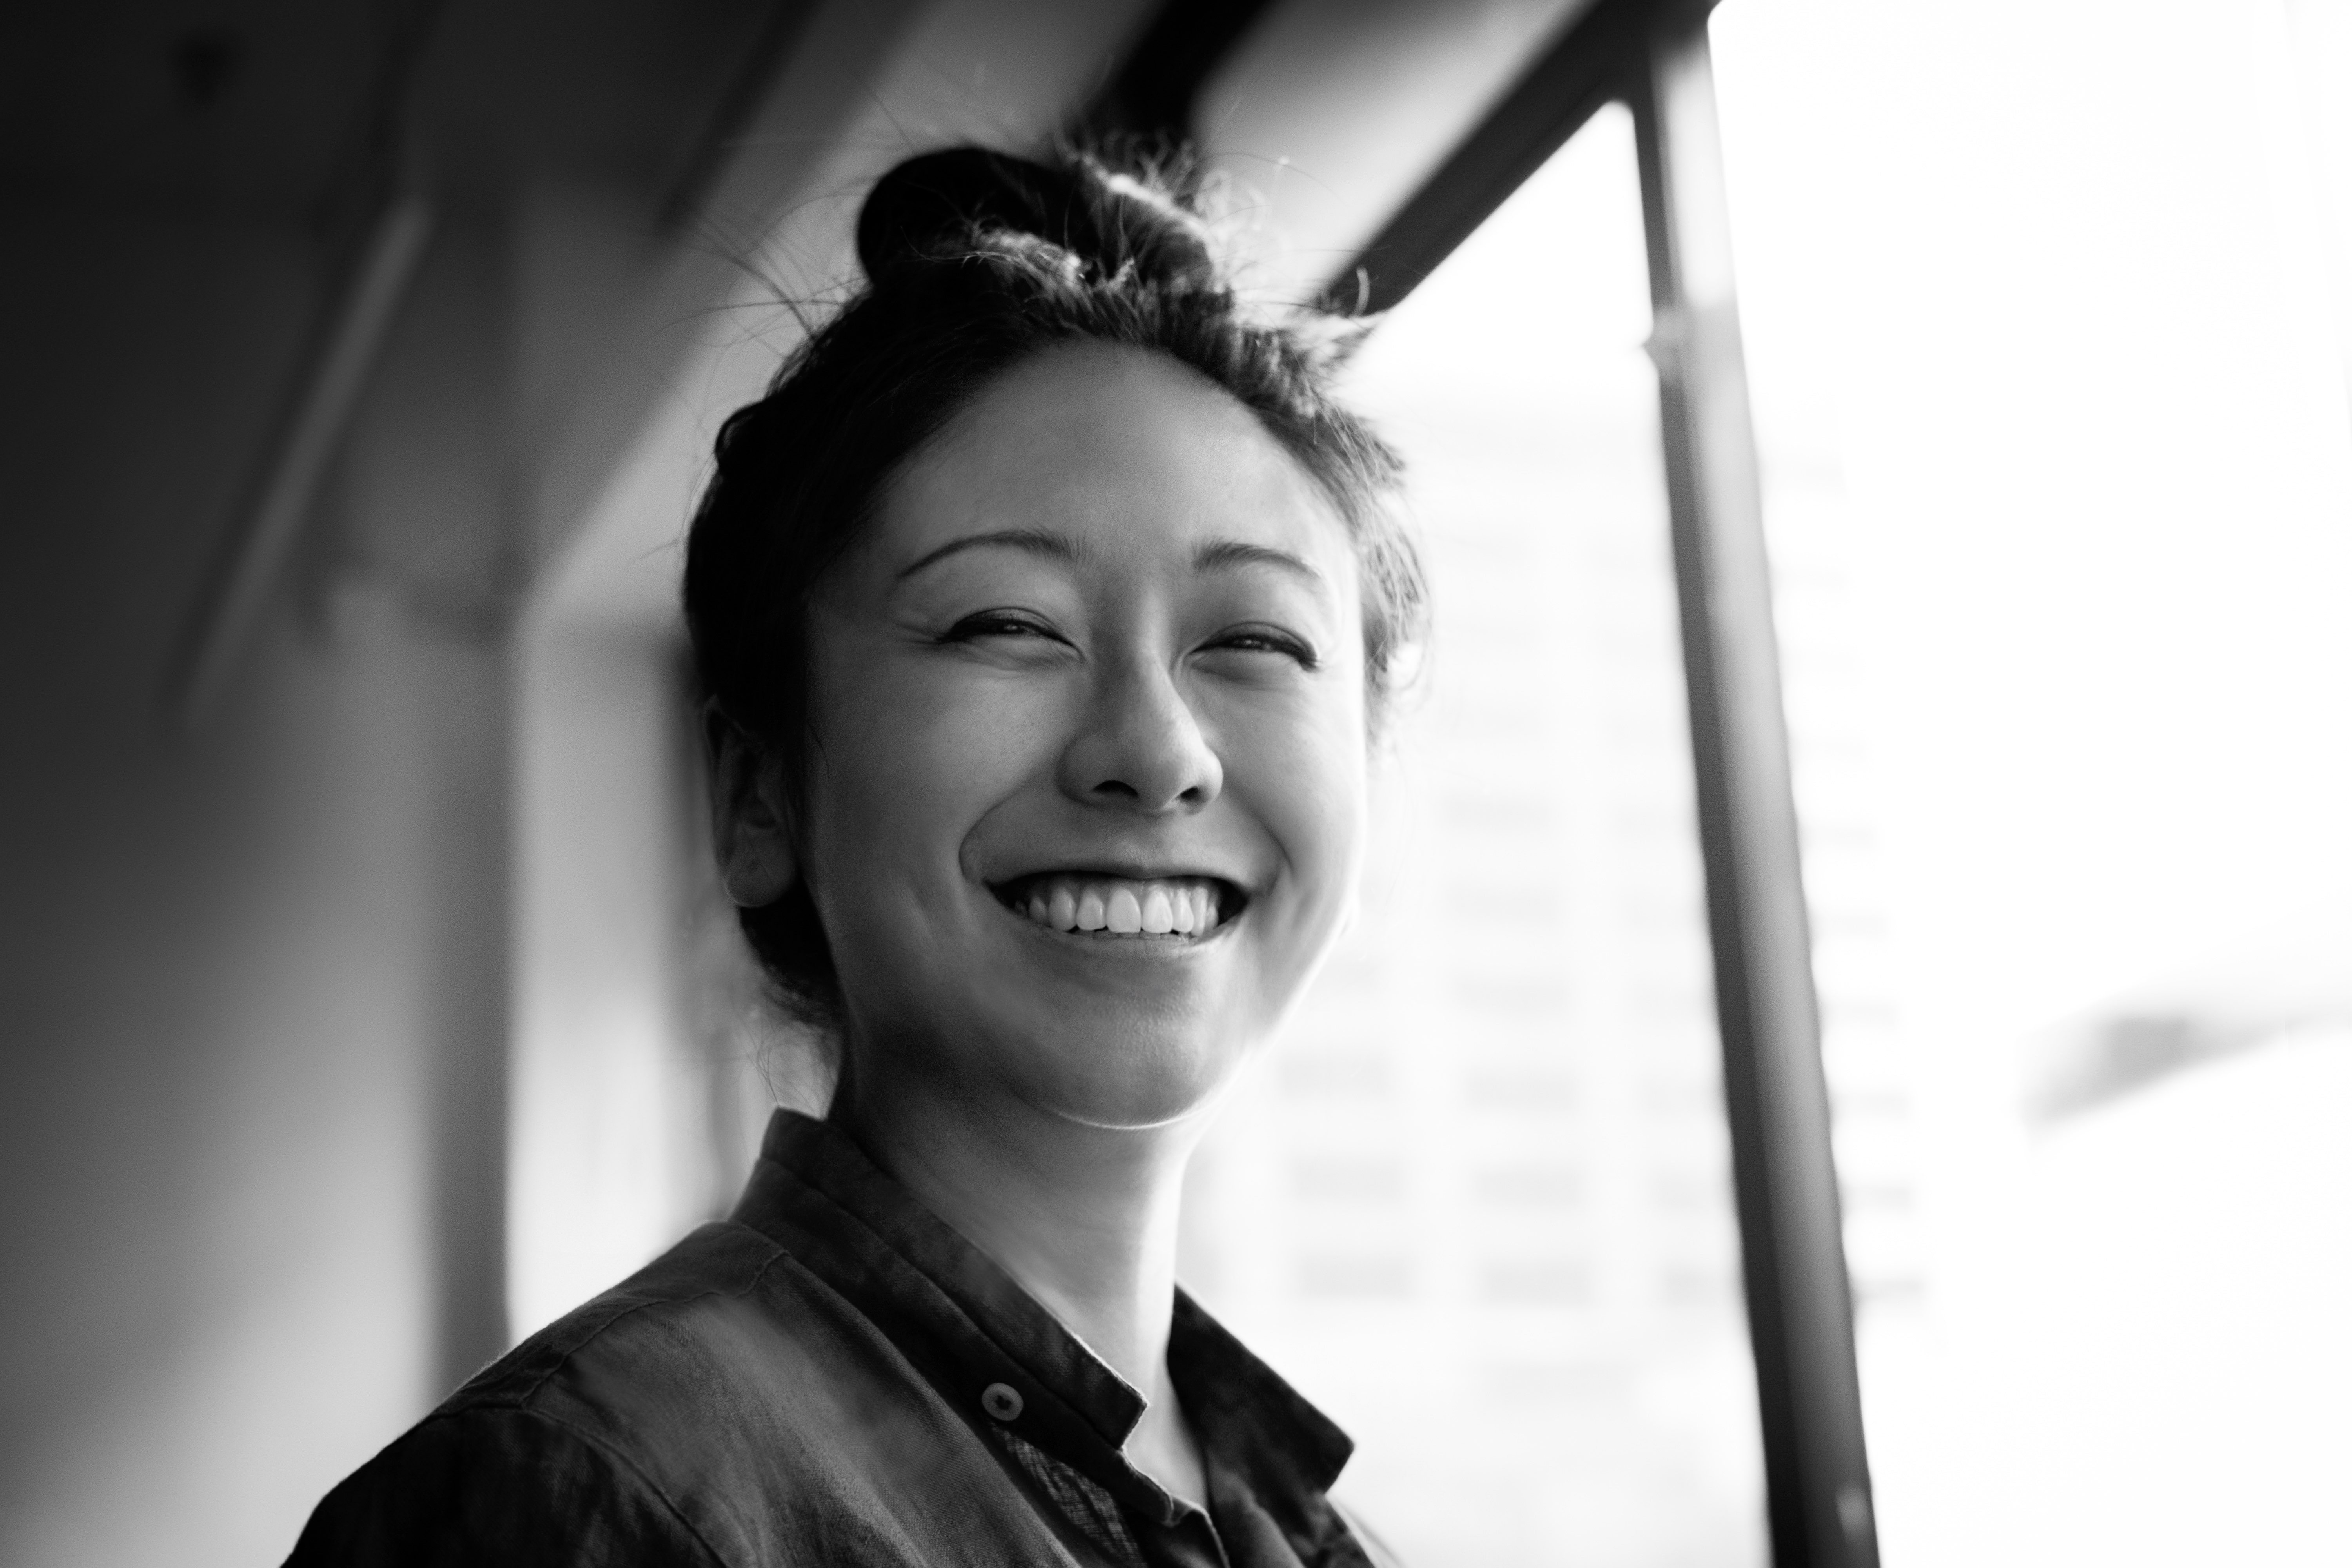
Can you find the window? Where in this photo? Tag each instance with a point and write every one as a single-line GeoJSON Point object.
{"type": "Point", "coordinates": [2044, 307]}
{"type": "Point", "coordinates": [1477, 1204]}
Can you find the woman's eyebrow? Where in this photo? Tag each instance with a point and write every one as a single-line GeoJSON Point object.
{"type": "Point", "coordinates": [1223, 553]}
{"type": "Point", "coordinates": [1037, 541]}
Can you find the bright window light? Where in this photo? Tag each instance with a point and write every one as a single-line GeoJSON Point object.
{"type": "Point", "coordinates": [2046, 307]}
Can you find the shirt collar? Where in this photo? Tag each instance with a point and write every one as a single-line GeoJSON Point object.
{"type": "Point", "coordinates": [968, 1326]}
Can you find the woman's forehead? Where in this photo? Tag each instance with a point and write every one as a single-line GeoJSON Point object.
{"type": "Point", "coordinates": [1113, 452]}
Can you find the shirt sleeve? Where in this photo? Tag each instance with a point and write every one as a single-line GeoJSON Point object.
{"type": "Point", "coordinates": [498, 1486]}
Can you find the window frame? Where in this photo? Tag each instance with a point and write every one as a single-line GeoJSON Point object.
{"type": "Point", "coordinates": [1652, 56]}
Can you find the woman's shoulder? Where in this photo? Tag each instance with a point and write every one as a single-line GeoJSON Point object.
{"type": "Point", "coordinates": [723, 1293]}
{"type": "Point", "coordinates": [498, 1484]}
{"type": "Point", "coordinates": [642, 1427]}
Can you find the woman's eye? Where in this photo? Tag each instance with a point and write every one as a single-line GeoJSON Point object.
{"type": "Point", "coordinates": [1268, 639]}
{"type": "Point", "coordinates": [997, 624]}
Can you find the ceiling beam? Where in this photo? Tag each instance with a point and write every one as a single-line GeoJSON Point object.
{"type": "Point", "coordinates": [1151, 97]}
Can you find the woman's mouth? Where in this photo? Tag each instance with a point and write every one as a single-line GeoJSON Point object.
{"type": "Point", "coordinates": [1167, 907]}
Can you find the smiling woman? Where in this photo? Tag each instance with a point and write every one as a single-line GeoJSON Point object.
{"type": "Point", "coordinates": [1044, 609]}
{"type": "Point", "coordinates": [1151, 694]}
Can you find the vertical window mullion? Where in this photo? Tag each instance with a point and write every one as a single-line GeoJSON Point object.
{"type": "Point", "coordinates": [1799, 1305]}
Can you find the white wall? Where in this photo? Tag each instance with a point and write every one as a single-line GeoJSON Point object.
{"type": "Point", "coordinates": [240, 992]}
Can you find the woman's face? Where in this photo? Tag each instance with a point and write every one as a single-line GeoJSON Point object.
{"type": "Point", "coordinates": [1088, 792]}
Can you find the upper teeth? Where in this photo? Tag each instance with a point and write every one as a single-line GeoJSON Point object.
{"type": "Point", "coordinates": [1119, 907]}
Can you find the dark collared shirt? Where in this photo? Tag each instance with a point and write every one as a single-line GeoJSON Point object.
{"type": "Point", "coordinates": [834, 1375]}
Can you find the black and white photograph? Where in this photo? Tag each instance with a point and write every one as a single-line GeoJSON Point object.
{"type": "Point", "coordinates": [1176, 784]}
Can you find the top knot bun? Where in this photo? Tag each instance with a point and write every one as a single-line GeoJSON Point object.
{"type": "Point", "coordinates": [944, 204]}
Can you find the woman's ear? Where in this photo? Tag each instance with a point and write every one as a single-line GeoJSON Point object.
{"type": "Point", "coordinates": [750, 826]}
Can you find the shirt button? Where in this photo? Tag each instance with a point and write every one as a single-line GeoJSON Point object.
{"type": "Point", "coordinates": [1001, 1400]}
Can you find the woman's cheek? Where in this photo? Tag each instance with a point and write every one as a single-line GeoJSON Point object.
{"type": "Point", "coordinates": [999, 728]}
{"type": "Point", "coordinates": [1306, 778]}
{"type": "Point", "coordinates": [967, 729]}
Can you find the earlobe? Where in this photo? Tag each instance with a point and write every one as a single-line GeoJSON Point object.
{"type": "Point", "coordinates": [749, 827]}
{"type": "Point", "coordinates": [757, 868]}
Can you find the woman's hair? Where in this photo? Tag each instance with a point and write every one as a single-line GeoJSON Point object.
{"type": "Point", "coordinates": [975, 261]}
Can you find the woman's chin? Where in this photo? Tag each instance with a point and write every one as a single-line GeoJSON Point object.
{"type": "Point", "coordinates": [1128, 1078]}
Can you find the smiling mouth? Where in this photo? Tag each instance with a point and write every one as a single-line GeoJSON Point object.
{"type": "Point", "coordinates": [1170, 908]}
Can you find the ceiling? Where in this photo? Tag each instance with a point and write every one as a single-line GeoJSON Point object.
{"type": "Point", "coordinates": [262, 107]}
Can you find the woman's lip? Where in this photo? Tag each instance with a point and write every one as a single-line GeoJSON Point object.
{"type": "Point", "coordinates": [1119, 874]}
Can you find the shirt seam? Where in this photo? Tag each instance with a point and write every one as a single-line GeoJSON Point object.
{"type": "Point", "coordinates": [521, 1400]}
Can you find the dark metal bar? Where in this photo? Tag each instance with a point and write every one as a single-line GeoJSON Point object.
{"type": "Point", "coordinates": [1799, 1306]}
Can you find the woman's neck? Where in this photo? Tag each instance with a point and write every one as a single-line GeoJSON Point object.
{"type": "Point", "coordinates": [1084, 1217]}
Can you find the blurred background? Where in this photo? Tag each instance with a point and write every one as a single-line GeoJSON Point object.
{"type": "Point", "coordinates": [365, 1000]}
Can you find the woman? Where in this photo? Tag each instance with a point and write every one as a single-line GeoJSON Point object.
{"type": "Point", "coordinates": [1044, 608]}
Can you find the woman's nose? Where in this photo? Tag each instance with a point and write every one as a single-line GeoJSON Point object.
{"type": "Point", "coordinates": [1140, 747]}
